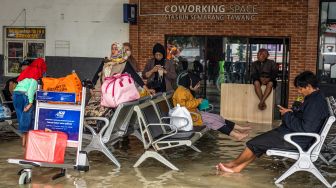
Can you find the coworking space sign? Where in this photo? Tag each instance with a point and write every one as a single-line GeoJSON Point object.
{"type": "Point", "coordinates": [234, 12]}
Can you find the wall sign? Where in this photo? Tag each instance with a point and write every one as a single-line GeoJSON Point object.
{"type": "Point", "coordinates": [235, 12]}
{"type": "Point", "coordinates": [25, 33]}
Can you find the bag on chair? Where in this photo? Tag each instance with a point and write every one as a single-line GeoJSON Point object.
{"type": "Point", "coordinates": [118, 89]}
{"type": "Point", "coordinates": [70, 83]}
{"type": "Point", "coordinates": [180, 123]}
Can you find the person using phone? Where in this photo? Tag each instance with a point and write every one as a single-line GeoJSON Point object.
{"type": "Point", "coordinates": [159, 71]}
{"type": "Point", "coordinates": [313, 112]}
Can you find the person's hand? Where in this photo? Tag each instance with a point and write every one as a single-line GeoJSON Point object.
{"type": "Point", "coordinates": [284, 110]}
{"type": "Point", "coordinates": [155, 69]}
{"type": "Point", "coordinates": [150, 91]}
{"type": "Point", "coordinates": [163, 70]}
{"type": "Point", "coordinates": [26, 108]}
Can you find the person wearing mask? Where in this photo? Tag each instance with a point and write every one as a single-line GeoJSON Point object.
{"type": "Point", "coordinates": [117, 62]}
{"type": "Point", "coordinates": [159, 72]}
{"type": "Point", "coordinates": [130, 58]}
{"type": "Point", "coordinates": [24, 92]}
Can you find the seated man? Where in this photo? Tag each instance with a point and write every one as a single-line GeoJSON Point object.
{"type": "Point", "coordinates": [309, 119]}
{"type": "Point", "coordinates": [263, 72]}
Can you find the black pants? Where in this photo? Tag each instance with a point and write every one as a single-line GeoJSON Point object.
{"type": "Point", "coordinates": [227, 128]}
{"type": "Point", "coordinates": [268, 140]}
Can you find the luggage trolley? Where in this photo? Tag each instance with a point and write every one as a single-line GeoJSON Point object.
{"type": "Point", "coordinates": [64, 115]}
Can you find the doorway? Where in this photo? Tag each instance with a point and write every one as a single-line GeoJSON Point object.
{"type": "Point", "coordinates": [228, 60]}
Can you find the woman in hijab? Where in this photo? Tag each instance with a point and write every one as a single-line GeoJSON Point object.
{"type": "Point", "coordinates": [24, 92]}
{"type": "Point", "coordinates": [159, 71]}
{"type": "Point", "coordinates": [184, 95]}
{"type": "Point", "coordinates": [116, 63]}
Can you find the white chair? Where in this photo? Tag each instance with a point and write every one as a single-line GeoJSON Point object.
{"type": "Point", "coordinates": [305, 159]}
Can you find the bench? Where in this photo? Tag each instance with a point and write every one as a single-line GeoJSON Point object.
{"type": "Point", "coordinates": [157, 135]}
{"type": "Point", "coordinates": [305, 159]}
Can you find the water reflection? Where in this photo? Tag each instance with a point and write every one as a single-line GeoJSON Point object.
{"type": "Point", "coordinates": [158, 180]}
{"type": "Point", "coordinates": [196, 169]}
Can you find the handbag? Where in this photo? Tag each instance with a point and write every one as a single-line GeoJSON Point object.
{"type": "Point", "coordinates": [118, 89]}
{"type": "Point", "coordinates": [185, 123]}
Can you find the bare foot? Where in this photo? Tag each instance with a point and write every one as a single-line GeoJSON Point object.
{"type": "Point", "coordinates": [241, 136]}
{"type": "Point", "coordinates": [262, 106]}
{"type": "Point", "coordinates": [221, 167]}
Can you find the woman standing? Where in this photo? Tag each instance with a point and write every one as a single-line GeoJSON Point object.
{"type": "Point", "coordinates": [24, 92]}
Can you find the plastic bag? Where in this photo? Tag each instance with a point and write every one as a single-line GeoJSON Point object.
{"type": "Point", "coordinates": [46, 146]}
{"type": "Point", "coordinates": [5, 112]}
{"type": "Point", "coordinates": [71, 83]}
{"type": "Point", "coordinates": [180, 123]}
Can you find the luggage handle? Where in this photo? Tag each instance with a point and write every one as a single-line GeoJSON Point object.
{"type": "Point", "coordinates": [114, 78]}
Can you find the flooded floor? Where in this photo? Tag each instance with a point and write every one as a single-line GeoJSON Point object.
{"type": "Point", "coordinates": [196, 169]}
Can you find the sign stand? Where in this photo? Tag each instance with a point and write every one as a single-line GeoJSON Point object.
{"type": "Point", "coordinates": [58, 111]}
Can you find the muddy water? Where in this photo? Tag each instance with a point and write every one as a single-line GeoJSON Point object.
{"type": "Point", "coordinates": [196, 169]}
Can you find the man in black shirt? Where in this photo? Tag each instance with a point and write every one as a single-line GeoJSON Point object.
{"type": "Point", "coordinates": [263, 72]}
{"type": "Point", "coordinates": [309, 119]}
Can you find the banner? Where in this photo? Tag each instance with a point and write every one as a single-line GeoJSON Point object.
{"type": "Point", "coordinates": [25, 33]}
{"type": "Point", "coordinates": [66, 121]}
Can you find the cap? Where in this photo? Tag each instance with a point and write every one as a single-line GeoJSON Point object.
{"type": "Point", "coordinates": [26, 62]}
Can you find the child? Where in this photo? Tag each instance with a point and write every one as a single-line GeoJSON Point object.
{"type": "Point", "coordinates": [183, 95]}
{"type": "Point", "coordinates": [24, 92]}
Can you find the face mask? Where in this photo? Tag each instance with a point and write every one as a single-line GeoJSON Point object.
{"type": "Point", "coordinates": [128, 53]}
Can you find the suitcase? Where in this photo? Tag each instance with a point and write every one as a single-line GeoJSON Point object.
{"type": "Point", "coordinates": [46, 146]}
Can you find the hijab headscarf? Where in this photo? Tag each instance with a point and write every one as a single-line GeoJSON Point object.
{"type": "Point", "coordinates": [159, 83]}
{"type": "Point", "coordinates": [35, 70]}
{"type": "Point", "coordinates": [159, 48]}
{"type": "Point", "coordinates": [184, 80]}
{"type": "Point", "coordinates": [116, 63]}
{"type": "Point", "coordinates": [119, 57]}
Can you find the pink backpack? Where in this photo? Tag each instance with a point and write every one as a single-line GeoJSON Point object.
{"type": "Point", "coordinates": [117, 89]}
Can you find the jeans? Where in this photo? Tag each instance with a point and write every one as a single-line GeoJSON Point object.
{"type": "Point", "coordinates": [25, 119]}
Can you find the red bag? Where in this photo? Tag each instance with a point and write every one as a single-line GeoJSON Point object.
{"type": "Point", "coordinates": [46, 146]}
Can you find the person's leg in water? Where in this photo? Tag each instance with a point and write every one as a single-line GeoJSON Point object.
{"type": "Point", "coordinates": [242, 128]}
{"type": "Point", "coordinates": [238, 164]}
{"type": "Point", "coordinates": [256, 147]}
{"type": "Point", "coordinates": [228, 130]}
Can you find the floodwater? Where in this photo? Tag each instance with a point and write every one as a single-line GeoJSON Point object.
{"type": "Point", "coordinates": [196, 169]}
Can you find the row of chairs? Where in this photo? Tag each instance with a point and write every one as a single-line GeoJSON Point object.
{"type": "Point", "coordinates": [147, 119]}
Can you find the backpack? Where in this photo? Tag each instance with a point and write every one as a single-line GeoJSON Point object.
{"type": "Point", "coordinates": [118, 89]}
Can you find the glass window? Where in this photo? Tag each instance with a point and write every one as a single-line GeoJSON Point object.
{"type": "Point", "coordinates": [327, 47]}
{"type": "Point", "coordinates": [15, 56]}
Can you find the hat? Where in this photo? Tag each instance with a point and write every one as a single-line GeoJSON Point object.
{"type": "Point", "coordinates": [26, 62]}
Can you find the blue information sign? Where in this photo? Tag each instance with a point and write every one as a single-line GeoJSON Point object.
{"type": "Point", "coordinates": [56, 96]}
{"type": "Point", "coordinates": [66, 121]}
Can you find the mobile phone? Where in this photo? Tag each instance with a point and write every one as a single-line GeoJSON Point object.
{"type": "Point", "coordinates": [279, 106]}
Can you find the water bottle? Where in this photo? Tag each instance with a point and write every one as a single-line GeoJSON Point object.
{"type": "Point", "coordinates": [2, 113]}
